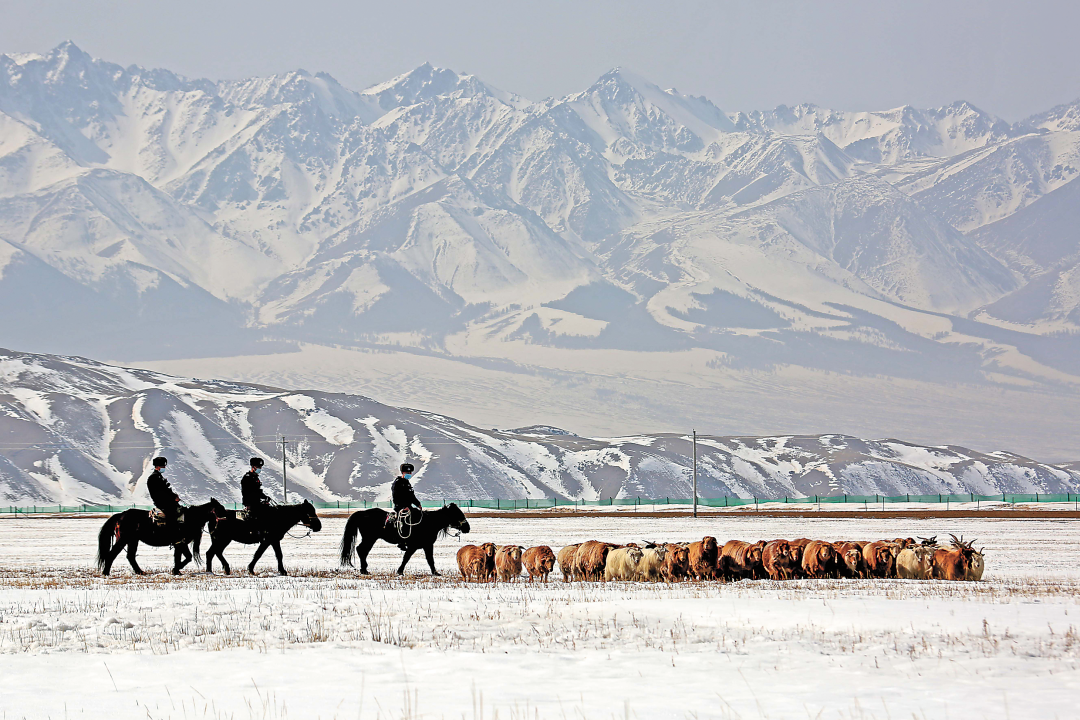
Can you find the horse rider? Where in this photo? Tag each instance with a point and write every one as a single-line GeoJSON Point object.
{"type": "Point", "coordinates": [406, 507]}
{"type": "Point", "coordinates": [251, 492]}
{"type": "Point", "coordinates": [167, 501]}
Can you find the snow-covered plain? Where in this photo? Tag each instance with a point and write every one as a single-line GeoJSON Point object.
{"type": "Point", "coordinates": [325, 643]}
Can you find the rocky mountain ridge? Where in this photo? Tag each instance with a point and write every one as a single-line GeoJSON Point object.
{"type": "Point", "coordinates": [77, 431]}
{"type": "Point", "coordinates": [291, 208]}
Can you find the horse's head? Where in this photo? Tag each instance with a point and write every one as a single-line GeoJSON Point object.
{"type": "Point", "coordinates": [458, 521]}
{"type": "Point", "coordinates": [216, 510]}
{"type": "Point", "coordinates": [310, 518]}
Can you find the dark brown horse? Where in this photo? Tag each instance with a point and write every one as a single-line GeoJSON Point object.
{"type": "Point", "coordinates": [131, 527]}
{"type": "Point", "coordinates": [371, 525]}
{"type": "Point", "coordinates": [273, 523]}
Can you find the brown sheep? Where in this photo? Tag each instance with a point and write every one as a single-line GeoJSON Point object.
{"type": "Point", "coordinates": [676, 563]}
{"type": "Point", "coordinates": [702, 557]}
{"type": "Point", "coordinates": [745, 558]}
{"type": "Point", "coordinates": [776, 559]}
{"type": "Point", "coordinates": [477, 563]}
{"type": "Point", "coordinates": [508, 562]}
{"type": "Point", "coordinates": [817, 559]}
{"type": "Point", "coordinates": [590, 559]}
{"type": "Point", "coordinates": [850, 560]}
{"type": "Point", "coordinates": [797, 548]}
{"type": "Point", "coordinates": [539, 561]}
{"type": "Point", "coordinates": [880, 559]}
{"type": "Point", "coordinates": [566, 562]}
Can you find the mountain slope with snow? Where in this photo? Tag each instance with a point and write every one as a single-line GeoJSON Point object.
{"type": "Point", "coordinates": [144, 215]}
{"type": "Point", "coordinates": [77, 431]}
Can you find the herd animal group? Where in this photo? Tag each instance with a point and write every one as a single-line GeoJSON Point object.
{"type": "Point", "coordinates": [907, 558]}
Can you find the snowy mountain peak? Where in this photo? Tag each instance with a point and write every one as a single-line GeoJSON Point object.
{"type": "Point", "coordinates": [886, 136]}
{"type": "Point", "coordinates": [437, 206]}
{"type": "Point", "coordinates": [1063, 118]}
{"type": "Point", "coordinates": [426, 83]}
{"type": "Point", "coordinates": [300, 88]}
{"type": "Point", "coordinates": [623, 104]}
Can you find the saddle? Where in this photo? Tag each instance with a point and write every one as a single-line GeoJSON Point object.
{"type": "Point", "coordinates": [159, 520]}
{"type": "Point", "coordinates": [159, 517]}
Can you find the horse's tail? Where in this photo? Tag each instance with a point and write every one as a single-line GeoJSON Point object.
{"type": "Point", "coordinates": [105, 537]}
{"type": "Point", "coordinates": [348, 540]}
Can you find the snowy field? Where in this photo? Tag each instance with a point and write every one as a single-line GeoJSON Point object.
{"type": "Point", "coordinates": [325, 643]}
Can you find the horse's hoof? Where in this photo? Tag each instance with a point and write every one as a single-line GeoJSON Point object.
{"type": "Point", "coordinates": [364, 572]}
{"type": "Point", "coordinates": [175, 572]}
{"type": "Point", "coordinates": [436, 573]}
{"type": "Point", "coordinates": [282, 572]}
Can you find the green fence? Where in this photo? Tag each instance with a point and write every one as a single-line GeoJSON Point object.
{"type": "Point", "coordinates": [543, 503]}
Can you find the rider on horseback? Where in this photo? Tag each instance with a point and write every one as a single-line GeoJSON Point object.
{"type": "Point", "coordinates": [407, 508]}
{"type": "Point", "coordinates": [167, 501]}
{"type": "Point", "coordinates": [251, 492]}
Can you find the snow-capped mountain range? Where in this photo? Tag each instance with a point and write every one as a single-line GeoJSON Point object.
{"type": "Point", "coordinates": [77, 431]}
{"type": "Point", "coordinates": [173, 217]}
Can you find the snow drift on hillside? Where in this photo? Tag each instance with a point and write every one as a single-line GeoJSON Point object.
{"type": "Point", "coordinates": [147, 215]}
{"type": "Point", "coordinates": [79, 431]}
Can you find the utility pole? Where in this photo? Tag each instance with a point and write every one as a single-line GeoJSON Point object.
{"type": "Point", "coordinates": [695, 473]}
{"type": "Point", "coordinates": [284, 470]}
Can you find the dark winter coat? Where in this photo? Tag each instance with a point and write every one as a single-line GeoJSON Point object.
{"type": "Point", "coordinates": [251, 491]}
{"type": "Point", "coordinates": [402, 493]}
{"type": "Point", "coordinates": [161, 492]}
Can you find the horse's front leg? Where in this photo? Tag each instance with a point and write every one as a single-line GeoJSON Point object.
{"type": "Point", "coordinates": [429, 553]}
{"type": "Point", "coordinates": [280, 563]}
{"type": "Point", "coordinates": [258, 554]}
{"type": "Point", "coordinates": [405, 560]}
{"type": "Point", "coordinates": [132, 548]}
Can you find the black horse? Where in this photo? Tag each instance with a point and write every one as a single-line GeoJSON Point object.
{"type": "Point", "coordinates": [274, 522]}
{"type": "Point", "coordinates": [131, 527]}
{"type": "Point", "coordinates": [371, 525]}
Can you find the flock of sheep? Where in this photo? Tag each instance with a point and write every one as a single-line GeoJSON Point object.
{"type": "Point", "coordinates": [922, 559]}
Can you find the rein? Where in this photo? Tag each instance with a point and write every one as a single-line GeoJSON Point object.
{"type": "Point", "coordinates": [300, 522]}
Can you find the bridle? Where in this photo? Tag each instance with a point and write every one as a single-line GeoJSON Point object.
{"type": "Point", "coordinates": [456, 526]}
{"type": "Point", "coordinates": [306, 522]}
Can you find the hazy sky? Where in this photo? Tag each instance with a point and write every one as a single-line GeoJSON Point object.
{"type": "Point", "coordinates": [1010, 57]}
